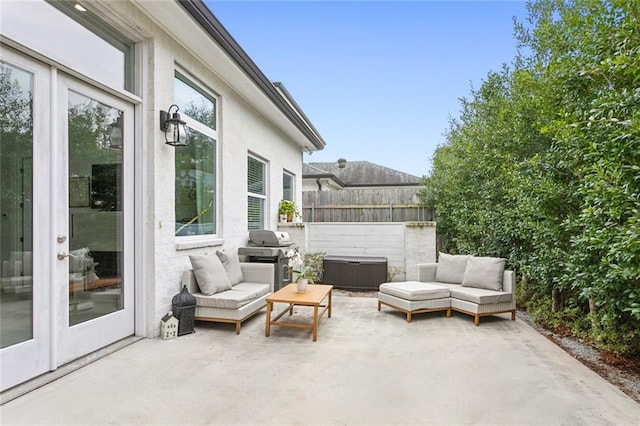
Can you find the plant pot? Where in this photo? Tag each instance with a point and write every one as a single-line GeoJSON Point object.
{"type": "Point", "coordinates": [302, 285]}
{"type": "Point", "coordinates": [289, 217]}
{"type": "Point", "coordinates": [283, 218]}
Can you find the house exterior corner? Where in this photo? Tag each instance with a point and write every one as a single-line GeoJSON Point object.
{"type": "Point", "coordinates": [117, 193]}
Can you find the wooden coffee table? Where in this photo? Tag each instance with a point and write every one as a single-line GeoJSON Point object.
{"type": "Point", "coordinates": [314, 296]}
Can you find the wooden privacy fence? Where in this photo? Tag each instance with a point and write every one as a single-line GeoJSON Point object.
{"type": "Point", "coordinates": [364, 205]}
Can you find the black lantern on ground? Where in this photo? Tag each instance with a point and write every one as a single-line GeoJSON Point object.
{"type": "Point", "coordinates": [175, 130]}
{"type": "Point", "coordinates": [184, 309]}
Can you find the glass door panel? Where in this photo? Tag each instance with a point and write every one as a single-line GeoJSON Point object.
{"type": "Point", "coordinates": [95, 208]}
{"type": "Point", "coordinates": [16, 195]}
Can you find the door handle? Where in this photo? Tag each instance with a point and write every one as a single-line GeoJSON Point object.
{"type": "Point", "coordinates": [62, 255]}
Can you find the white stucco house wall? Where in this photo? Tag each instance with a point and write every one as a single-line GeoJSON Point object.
{"type": "Point", "coordinates": [130, 60]}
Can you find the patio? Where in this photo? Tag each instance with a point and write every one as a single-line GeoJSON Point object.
{"type": "Point", "coordinates": [367, 367]}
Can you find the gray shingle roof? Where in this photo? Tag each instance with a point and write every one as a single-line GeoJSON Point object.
{"type": "Point", "coordinates": [360, 173]}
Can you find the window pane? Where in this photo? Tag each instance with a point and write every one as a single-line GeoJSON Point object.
{"type": "Point", "coordinates": [256, 178]}
{"type": "Point", "coordinates": [194, 102]}
{"type": "Point", "coordinates": [95, 209]}
{"type": "Point", "coordinates": [287, 186]}
{"type": "Point", "coordinates": [83, 49]}
{"type": "Point", "coordinates": [195, 199]}
{"type": "Point", "coordinates": [256, 207]}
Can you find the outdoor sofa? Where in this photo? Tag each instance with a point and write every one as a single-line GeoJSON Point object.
{"type": "Point", "coordinates": [227, 290]}
{"type": "Point", "coordinates": [477, 286]}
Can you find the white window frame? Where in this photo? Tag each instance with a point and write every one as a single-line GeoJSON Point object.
{"type": "Point", "coordinates": [293, 185]}
{"type": "Point", "coordinates": [263, 197]}
{"type": "Point", "coordinates": [87, 42]}
{"type": "Point", "coordinates": [194, 241]}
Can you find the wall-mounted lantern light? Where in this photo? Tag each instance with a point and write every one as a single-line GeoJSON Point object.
{"type": "Point", "coordinates": [175, 131]}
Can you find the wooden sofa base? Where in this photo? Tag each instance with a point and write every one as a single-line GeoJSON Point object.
{"type": "Point", "coordinates": [416, 311]}
{"type": "Point", "coordinates": [237, 322]}
{"type": "Point", "coordinates": [476, 316]}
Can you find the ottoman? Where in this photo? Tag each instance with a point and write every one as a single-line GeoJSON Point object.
{"type": "Point", "coordinates": [414, 297]}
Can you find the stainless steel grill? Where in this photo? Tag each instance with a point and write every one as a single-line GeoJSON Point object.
{"type": "Point", "coordinates": [269, 247]}
{"type": "Point", "coordinates": [265, 238]}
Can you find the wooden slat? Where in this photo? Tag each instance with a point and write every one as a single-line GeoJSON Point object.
{"type": "Point", "coordinates": [364, 205]}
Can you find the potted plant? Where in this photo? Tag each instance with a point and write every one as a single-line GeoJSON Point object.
{"type": "Point", "coordinates": [288, 210]}
{"type": "Point", "coordinates": [315, 263]}
{"type": "Point", "coordinates": [303, 274]}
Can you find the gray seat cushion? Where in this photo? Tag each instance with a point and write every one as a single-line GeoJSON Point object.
{"type": "Point", "coordinates": [235, 298]}
{"type": "Point", "coordinates": [414, 290]}
{"type": "Point", "coordinates": [480, 296]}
{"type": "Point", "coordinates": [257, 289]}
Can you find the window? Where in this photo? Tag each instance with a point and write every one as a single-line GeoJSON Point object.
{"type": "Point", "coordinates": [256, 178]}
{"type": "Point", "coordinates": [287, 186]}
{"type": "Point", "coordinates": [196, 164]}
{"type": "Point", "coordinates": [90, 46]}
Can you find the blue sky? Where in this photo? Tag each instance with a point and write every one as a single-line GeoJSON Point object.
{"type": "Point", "coordinates": [378, 79]}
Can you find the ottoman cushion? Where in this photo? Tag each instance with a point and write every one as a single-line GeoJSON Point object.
{"type": "Point", "coordinates": [414, 290]}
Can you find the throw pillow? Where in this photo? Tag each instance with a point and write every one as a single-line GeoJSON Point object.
{"type": "Point", "coordinates": [484, 272]}
{"type": "Point", "coordinates": [231, 264]}
{"type": "Point", "coordinates": [451, 268]}
{"type": "Point", "coordinates": [210, 274]}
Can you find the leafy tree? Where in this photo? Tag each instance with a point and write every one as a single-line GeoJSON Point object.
{"type": "Point", "coordinates": [543, 168]}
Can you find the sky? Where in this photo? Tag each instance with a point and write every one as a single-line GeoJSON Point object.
{"type": "Point", "coordinates": [379, 80]}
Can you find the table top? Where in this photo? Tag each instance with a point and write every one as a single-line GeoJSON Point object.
{"type": "Point", "coordinates": [289, 294]}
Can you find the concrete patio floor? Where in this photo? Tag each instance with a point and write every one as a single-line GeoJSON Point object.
{"type": "Point", "coordinates": [366, 368]}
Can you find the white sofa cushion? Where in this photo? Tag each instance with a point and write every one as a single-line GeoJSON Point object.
{"type": "Point", "coordinates": [484, 272]}
{"type": "Point", "coordinates": [414, 290]}
{"type": "Point", "coordinates": [231, 264]}
{"type": "Point", "coordinates": [235, 298]}
{"type": "Point", "coordinates": [210, 274]}
{"type": "Point", "coordinates": [256, 289]}
{"type": "Point", "coordinates": [451, 268]}
{"type": "Point", "coordinates": [481, 296]}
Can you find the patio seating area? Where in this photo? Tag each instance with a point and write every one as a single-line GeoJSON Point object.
{"type": "Point", "coordinates": [368, 367]}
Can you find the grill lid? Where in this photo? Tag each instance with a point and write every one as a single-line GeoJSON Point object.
{"type": "Point", "coordinates": [272, 253]}
{"type": "Point", "coordinates": [266, 238]}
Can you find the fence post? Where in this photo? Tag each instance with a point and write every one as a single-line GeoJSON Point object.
{"type": "Point", "coordinates": [391, 211]}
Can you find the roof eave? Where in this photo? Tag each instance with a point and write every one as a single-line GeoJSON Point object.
{"type": "Point", "coordinates": [328, 176]}
{"type": "Point", "coordinates": [210, 24]}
